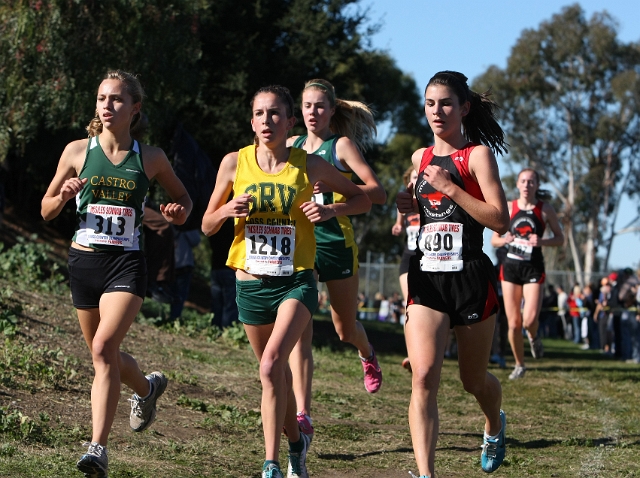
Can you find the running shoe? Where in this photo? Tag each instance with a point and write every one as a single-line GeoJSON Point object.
{"type": "Point", "coordinates": [272, 471]}
{"type": "Point", "coordinates": [298, 461]}
{"type": "Point", "coordinates": [537, 349]}
{"type": "Point", "coordinates": [493, 450]}
{"type": "Point", "coordinates": [372, 373]}
{"type": "Point", "coordinates": [518, 372]}
{"type": "Point", "coordinates": [421, 476]}
{"type": "Point", "coordinates": [406, 363]}
{"type": "Point", "coordinates": [143, 412]}
{"type": "Point", "coordinates": [305, 424]}
{"type": "Point", "coordinates": [94, 463]}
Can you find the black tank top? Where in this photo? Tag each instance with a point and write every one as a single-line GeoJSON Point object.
{"type": "Point", "coordinates": [524, 223]}
{"type": "Point", "coordinates": [437, 208]}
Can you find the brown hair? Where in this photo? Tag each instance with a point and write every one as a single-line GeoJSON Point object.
{"type": "Point", "coordinates": [541, 194]}
{"type": "Point", "coordinates": [406, 177]}
{"type": "Point", "coordinates": [352, 119]}
{"type": "Point", "coordinates": [282, 93]}
{"type": "Point", "coordinates": [134, 89]}
{"type": "Point", "coordinates": [480, 124]}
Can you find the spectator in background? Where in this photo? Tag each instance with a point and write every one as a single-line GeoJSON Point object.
{"type": "Point", "coordinates": [384, 307]}
{"type": "Point", "coordinates": [602, 315]}
{"type": "Point", "coordinates": [587, 324]}
{"type": "Point", "coordinates": [549, 314]}
{"type": "Point", "coordinates": [159, 251]}
{"type": "Point", "coordinates": [575, 304]}
{"type": "Point", "coordinates": [563, 299]}
{"type": "Point", "coordinates": [223, 278]}
{"type": "Point", "coordinates": [185, 241]}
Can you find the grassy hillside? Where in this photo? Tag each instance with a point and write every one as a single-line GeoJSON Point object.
{"type": "Point", "coordinates": [576, 414]}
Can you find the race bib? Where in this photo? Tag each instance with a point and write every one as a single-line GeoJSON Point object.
{"type": "Point", "coordinates": [110, 225]}
{"type": "Point", "coordinates": [441, 246]}
{"type": "Point", "coordinates": [412, 235]}
{"type": "Point", "coordinates": [269, 249]}
{"type": "Point", "coordinates": [520, 250]}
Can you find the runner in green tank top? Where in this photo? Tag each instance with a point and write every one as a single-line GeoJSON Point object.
{"type": "Point", "coordinates": [337, 130]}
{"type": "Point", "coordinates": [109, 175]}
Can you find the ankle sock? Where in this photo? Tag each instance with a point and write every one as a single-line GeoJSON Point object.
{"type": "Point", "coordinates": [494, 437]}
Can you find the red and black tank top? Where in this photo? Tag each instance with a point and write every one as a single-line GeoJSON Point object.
{"type": "Point", "coordinates": [442, 212]}
{"type": "Point", "coordinates": [524, 223]}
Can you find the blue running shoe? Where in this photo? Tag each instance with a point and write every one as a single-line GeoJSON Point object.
{"type": "Point", "coordinates": [94, 463]}
{"type": "Point", "coordinates": [493, 451]}
{"type": "Point", "coordinates": [272, 471]}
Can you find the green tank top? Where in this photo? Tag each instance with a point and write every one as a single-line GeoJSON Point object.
{"type": "Point", "coordinates": [337, 231]}
{"type": "Point", "coordinates": [110, 207]}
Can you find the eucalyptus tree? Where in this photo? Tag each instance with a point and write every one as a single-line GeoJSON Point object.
{"type": "Point", "coordinates": [569, 98]}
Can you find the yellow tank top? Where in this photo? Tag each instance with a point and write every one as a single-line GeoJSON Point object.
{"type": "Point", "coordinates": [276, 238]}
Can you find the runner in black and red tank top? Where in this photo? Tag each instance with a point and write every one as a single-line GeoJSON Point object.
{"type": "Point", "coordinates": [452, 283]}
{"type": "Point", "coordinates": [522, 273]}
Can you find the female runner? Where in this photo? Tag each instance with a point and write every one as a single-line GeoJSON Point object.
{"type": "Point", "coordinates": [522, 273]}
{"type": "Point", "coordinates": [337, 130]}
{"type": "Point", "coordinates": [452, 283]}
{"type": "Point", "coordinates": [273, 253]}
{"type": "Point", "coordinates": [411, 224]}
{"type": "Point", "coordinates": [108, 175]}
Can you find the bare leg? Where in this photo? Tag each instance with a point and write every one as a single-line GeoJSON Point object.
{"type": "Point", "coordinates": [343, 295]}
{"type": "Point", "coordinates": [512, 295]}
{"type": "Point", "coordinates": [474, 349]}
{"type": "Point", "coordinates": [532, 305]}
{"type": "Point", "coordinates": [272, 345]}
{"type": "Point", "coordinates": [301, 362]}
{"type": "Point", "coordinates": [425, 333]}
{"type": "Point", "coordinates": [104, 330]}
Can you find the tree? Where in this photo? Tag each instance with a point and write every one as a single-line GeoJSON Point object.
{"type": "Point", "coordinates": [569, 98]}
{"type": "Point", "coordinates": [199, 62]}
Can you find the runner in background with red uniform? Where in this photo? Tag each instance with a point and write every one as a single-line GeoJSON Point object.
{"type": "Point", "coordinates": [522, 273]}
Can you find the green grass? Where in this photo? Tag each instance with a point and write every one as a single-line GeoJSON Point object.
{"type": "Point", "coordinates": [575, 414]}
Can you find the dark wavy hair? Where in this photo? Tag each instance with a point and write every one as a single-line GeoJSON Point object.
{"type": "Point", "coordinates": [480, 124]}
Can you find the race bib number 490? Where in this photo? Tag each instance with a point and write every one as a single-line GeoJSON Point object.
{"type": "Point", "coordinates": [111, 225]}
{"type": "Point", "coordinates": [269, 249]}
{"type": "Point", "coordinates": [441, 246]}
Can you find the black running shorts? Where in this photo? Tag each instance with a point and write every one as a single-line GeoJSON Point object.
{"type": "Point", "coordinates": [522, 272]}
{"type": "Point", "coordinates": [92, 274]}
{"type": "Point", "coordinates": [467, 296]}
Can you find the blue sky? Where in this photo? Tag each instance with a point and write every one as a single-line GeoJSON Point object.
{"type": "Point", "coordinates": [425, 36]}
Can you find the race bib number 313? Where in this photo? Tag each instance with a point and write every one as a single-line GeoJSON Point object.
{"type": "Point", "coordinates": [269, 249]}
{"type": "Point", "coordinates": [441, 246]}
{"type": "Point", "coordinates": [111, 225]}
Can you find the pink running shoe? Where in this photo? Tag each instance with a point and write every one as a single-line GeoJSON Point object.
{"type": "Point", "coordinates": [406, 363]}
{"type": "Point", "coordinates": [372, 373]}
{"type": "Point", "coordinates": [305, 424]}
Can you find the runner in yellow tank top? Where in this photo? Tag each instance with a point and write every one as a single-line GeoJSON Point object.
{"type": "Point", "coordinates": [272, 190]}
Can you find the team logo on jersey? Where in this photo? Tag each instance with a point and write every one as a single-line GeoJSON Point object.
{"type": "Point", "coordinates": [524, 228]}
{"type": "Point", "coordinates": [322, 153]}
{"type": "Point", "coordinates": [435, 204]}
{"type": "Point", "coordinates": [458, 158]}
